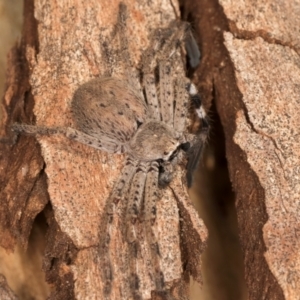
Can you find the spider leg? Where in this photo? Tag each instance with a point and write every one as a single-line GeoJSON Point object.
{"type": "Point", "coordinates": [181, 108]}
{"type": "Point", "coordinates": [169, 63]}
{"type": "Point", "coordinates": [197, 104]}
{"type": "Point", "coordinates": [133, 212]}
{"type": "Point", "coordinates": [121, 28]}
{"type": "Point", "coordinates": [181, 104]}
{"type": "Point", "coordinates": [192, 50]}
{"type": "Point", "coordinates": [131, 75]}
{"type": "Point", "coordinates": [151, 95]}
{"type": "Point", "coordinates": [160, 47]}
{"type": "Point", "coordinates": [166, 90]}
{"type": "Point", "coordinates": [122, 185]}
{"type": "Point", "coordinates": [163, 45]}
{"type": "Point", "coordinates": [181, 34]}
{"type": "Point", "coordinates": [148, 63]}
{"type": "Point", "coordinates": [164, 42]}
{"type": "Point", "coordinates": [112, 55]}
{"type": "Point", "coordinates": [119, 192]}
{"type": "Point", "coordinates": [144, 187]}
{"type": "Point", "coordinates": [151, 197]}
{"type": "Point", "coordinates": [157, 40]}
{"type": "Point", "coordinates": [105, 144]}
{"type": "Point", "coordinates": [198, 142]}
{"type": "Point", "coordinates": [108, 57]}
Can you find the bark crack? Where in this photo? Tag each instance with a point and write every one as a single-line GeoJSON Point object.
{"type": "Point", "coordinates": [265, 35]}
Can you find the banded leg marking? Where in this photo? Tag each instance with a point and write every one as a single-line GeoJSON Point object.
{"type": "Point", "coordinates": [119, 192]}
{"type": "Point", "coordinates": [133, 213]}
{"type": "Point", "coordinates": [181, 105]}
{"type": "Point", "coordinates": [151, 198]}
{"type": "Point", "coordinates": [104, 144]}
{"type": "Point", "coordinates": [152, 99]}
{"type": "Point", "coordinates": [166, 93]}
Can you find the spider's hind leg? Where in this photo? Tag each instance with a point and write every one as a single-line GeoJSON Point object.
{"type": "Point", "coordinates": [104, 143]}
{"type": "Point", "coordinates": [127, 69]}
{"type": "Point", "coordinates": [114, 48]}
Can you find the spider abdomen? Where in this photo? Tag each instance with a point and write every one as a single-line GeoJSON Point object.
{"type": "Point", "coordinates": [108, 107]}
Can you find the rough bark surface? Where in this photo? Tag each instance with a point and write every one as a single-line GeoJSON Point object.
{"type": "Point", "coordinates": [59, 51]}
{"type": "Point", "coordinates": [250, 68]}
{"type": "Point", "coordinates": [5, 292]}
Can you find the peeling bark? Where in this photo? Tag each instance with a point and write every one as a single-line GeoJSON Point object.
{"type": "Point", "coordinates": [5, 291]}
{"type": "Point", "coordinates": [250, 69]}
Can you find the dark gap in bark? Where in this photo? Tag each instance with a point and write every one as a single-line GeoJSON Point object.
{"type": "Point", "coordinates": [222, 261]}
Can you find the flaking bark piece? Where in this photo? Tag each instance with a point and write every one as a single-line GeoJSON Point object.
{"type": "Point", "coordinates": [193, 233]}
{"type": "Point", "coordinates": [275, 21]}
{"type": "Point", "coordinates": [5, 292]}
{"type": "Point", "coordinates": [267, 75]}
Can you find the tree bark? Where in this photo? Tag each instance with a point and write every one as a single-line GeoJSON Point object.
{"type": "Point", "coordinates": [5, 291]}
{"type": "Point", "coordinates": [250, 70]}
{"type": "Point", "coordinates": [249, 73]}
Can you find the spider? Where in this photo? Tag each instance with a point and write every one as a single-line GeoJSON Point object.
{"type": "Point", "coordinates": [143, 115]}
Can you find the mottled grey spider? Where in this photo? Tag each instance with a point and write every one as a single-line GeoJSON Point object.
{"type": "Point", "coordinates": [146, 121]}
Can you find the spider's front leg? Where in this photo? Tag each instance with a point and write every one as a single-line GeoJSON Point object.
{"type": "Point", "coordinates": [102, 143]}
{"type": "Point", "coordinates": [133, 213]}
{"type": "Point", "coordinates": [149, 217]}
{"type": "Point", "coordinates": [141, 222]}
{"type": "Point", "coordinates": [119, 192]}
{"type": "Point", "coordinates": [200, 137]}
{"type": "Point", "coordinates": [177, 116]}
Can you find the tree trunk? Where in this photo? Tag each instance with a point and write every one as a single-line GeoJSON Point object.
{"type": "Point", "coordinates": [248, 74]}
{"type": "Point", "coordinates": [250, 70]}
